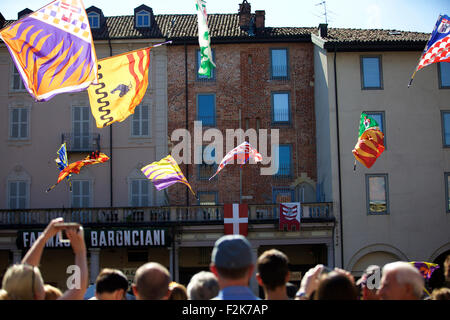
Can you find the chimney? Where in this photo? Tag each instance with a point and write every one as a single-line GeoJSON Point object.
{"type": "Point", "coordinates": [260, 17]}
{"type": "Point", "coordinates": [23, 13]}
{"type": "Point", "coordinates": [244, 15]}
{"type": "Point", "coordinates": [2, 20]}
{"type": "Point", "coordinates": [323, 30]}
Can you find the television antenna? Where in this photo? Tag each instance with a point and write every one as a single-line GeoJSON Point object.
{"type": "Point", "coordinates": [323, 3]}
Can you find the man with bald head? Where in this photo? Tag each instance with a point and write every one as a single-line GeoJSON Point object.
{"type": "Point", "coordinates": [401, 281]}
{"type": "Point", "coordinates": [151, 282]}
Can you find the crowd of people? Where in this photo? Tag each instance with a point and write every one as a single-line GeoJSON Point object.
{"type": "Point", "coordinates": [232, 266]}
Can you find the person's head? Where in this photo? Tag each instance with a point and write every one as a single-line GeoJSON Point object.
{"type": "Point", "coordinates": [447, 268]}
{"type": "Point", "coordinates": [111, 284]}
{"type": "Point", "coordinates": [203, 286]}
{"type": "Point", "coordinates": [336, 286]}
{"type": "Point", "coordinates": [365, 283]}
{"type": "Point", "coordinates": [23, 282]}
{"type": "Point", "coordinates": [232, 260]}
{"type": "Point", "coordinates": [401, 281]}
{"type": "Point", "coordinates": [177, 291]}
{"type": "Point", "coordinates": [441, 294]}
{"type": "Point", "coordinates": [272, 269]}
{"type": "Point", "coordinates": [151, 282]}
{"type": "Point", "coordinates": [51, 292]}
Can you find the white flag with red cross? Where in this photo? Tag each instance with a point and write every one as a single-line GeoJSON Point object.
{"type": "Point", "coordinates": [235, 219]}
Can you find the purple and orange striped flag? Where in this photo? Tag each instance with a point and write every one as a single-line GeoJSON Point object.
{"type": "Point", "coordinates": [165, 173]}
{"type": "Point", "coordinates": [53, 49]}
{"type": "Point", "coordinates": [123, 81]}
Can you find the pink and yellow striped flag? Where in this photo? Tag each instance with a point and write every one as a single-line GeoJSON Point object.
{"type": "Point", "coordinates": [53, 49]}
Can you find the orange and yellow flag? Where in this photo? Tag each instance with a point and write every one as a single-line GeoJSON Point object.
{"type": "Point", "coordinates": [123, 81]}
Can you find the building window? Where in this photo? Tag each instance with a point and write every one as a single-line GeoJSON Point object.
{"type": "Point", "coordinates": [280, 107]}
{"type": "Point", "coordinates": [278, 64]}
{"type": "Point", "coordinates": [139, 193]}
{"type": "Point", "coordinates": [371, 73]}
{"type": "Point", "coordinates": [80, 128]}
{"type": "Point", "coordinates": [17, 83]}
{"type": "Point", "coordinates": [17, 194]}
{"type": "Point", "coordinates": [81, 194]}
{"type": "Point", "coordinates": [446, 128]}
{"type": "Point", "coordinates": [206, 109]}
{"type": "Point", "coordinates": [94, 20]}
{"type": "Point", "coordinates": [444, 75]}
{"type": "Point", "coordinates": [213, 70]}
{"type": "Point", "coordinates": [19, 123]}
{"type": "Point", "coordinates": [377, 193]}
{"type": "Point", "coordinates": [378, 116]}
{"type": "Point", "coordinates": [282, 195]}
{"type": "Point", "coordinates": [284, 160]}
{"type": "Point", "coordinates": [447, 191]}
{"type": "Point", "coordinates": [207, 198]}
{"type": "Point", "coordinates": [143, 19]}
{"type": "Point", "coordinates": [209, 165]}
{"type": "Point", "coordinates": [141, 121]}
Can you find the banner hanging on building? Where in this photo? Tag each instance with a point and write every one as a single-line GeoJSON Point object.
{"type": "Point", "coordinates": [290, 216]}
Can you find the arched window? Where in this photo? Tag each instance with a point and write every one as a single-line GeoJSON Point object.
{"type": "Point", "coordinates": [143, 19]}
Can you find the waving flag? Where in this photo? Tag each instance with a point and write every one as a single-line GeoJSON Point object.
{"type": "Point", "coordinates": [53, 49]}
{"type": "Point", "coordinates": [165, 173]}
{"type": "Point", "coordinates": [370, 143]}
{"type": "Point", "coordinates": [123, 81]}
{"type": "Point", "coordinates": [75, 167]}
{"type": "Point", "coordinates": [438, 46]}
{"type": "Point", "coordinates": [242, 153]}
{"type": "Point", "coordinates": [204, 39]}
{"type": "Point", "coordinates": [62, 161]}
{"type": "Point", "coordinates": [425, 268]}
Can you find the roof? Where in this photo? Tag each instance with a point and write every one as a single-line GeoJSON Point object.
{"type": "Point", "coordinates": [371, 39]}
{"type": "Point", "coordinates": [225, 28]}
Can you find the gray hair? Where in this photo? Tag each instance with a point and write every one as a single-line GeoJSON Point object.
{"type": "Point", "coordinates": [203, 286]}
{"type": "Point", "coordinates": [405, 273]}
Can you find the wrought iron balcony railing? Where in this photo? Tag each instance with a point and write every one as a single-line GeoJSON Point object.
{"type": "Point", "coordinates": [84, 142]}
{"type": "Point", "coordinates": [322, 211]}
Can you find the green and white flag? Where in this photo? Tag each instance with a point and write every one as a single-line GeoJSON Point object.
{"type": "Point", "coordinates": [206, 62]}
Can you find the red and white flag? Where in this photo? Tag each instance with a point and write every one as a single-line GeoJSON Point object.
{"type": "Point", "coordinates": [235, 219]}
{"type": "Point", "coordinates": [290, 215]}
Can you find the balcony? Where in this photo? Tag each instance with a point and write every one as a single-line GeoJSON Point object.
{"type": "Point", "coordinates": [173, 215]}
{"type": "Point", "coordinates": [84, 142]}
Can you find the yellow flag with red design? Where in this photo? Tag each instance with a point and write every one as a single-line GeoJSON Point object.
{"type": "Point", "coordinates": [123, 81]}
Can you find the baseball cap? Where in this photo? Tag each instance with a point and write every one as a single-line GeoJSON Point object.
{"type": "Point", "coordinates": [370, 270]}
{"type": "Point", "coordinates": [232, 251]}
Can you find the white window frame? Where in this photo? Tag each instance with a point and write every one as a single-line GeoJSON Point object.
{"type": "Point", "coordinates": [140, 121]}
{"type": "Point", "coordinates": [22, 108]}
{"type": "Point", "coordinates": [130, 192]}
{"type": "Point", "coordinates": [143, 13]}
{"type": "Point", "coordinates": [94, 15]}
{"type": "Point", "coordinates": [91, 192]}
{"type": "Point", "coordinates": [27, 193]}
{"type": "Point", "coordinates": [15, 73]}
{"type": "Point", "coordinates": [90, 123]}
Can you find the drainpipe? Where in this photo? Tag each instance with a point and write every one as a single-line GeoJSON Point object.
{"type": "Point", "coordinates": [110, 147]}
{"type": "Point", "coordinates": [339, 160]}
{"type": "Point", "coordinates": [186, 111]}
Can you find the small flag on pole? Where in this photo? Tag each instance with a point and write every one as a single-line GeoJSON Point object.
{"type": "Point", "coordinates": [53, 49]}
{"type": "Point", "coordinates": [204, 39]}
{"type": "Point", "coordinates": [242, 153]}
{"type": "Point", "coordinates": [165, 173]}
{"type": "Point", "coordinates": [438, 46]}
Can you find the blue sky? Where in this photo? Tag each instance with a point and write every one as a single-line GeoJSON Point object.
{"type": "Point", "coordinates": [412, 15]}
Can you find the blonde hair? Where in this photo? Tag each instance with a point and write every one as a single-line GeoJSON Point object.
{"type": "Point", "coordinates": [21, 282]}
{"type": "Point", "coordinates": [51, 292]}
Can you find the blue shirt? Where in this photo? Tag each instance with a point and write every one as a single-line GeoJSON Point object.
{"type": "Point", "coordinates": [236, 293]}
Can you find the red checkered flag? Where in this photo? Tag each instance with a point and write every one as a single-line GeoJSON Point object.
{"type": "Point", "coordinates": [438, 46]}
{"type": "Point", "coordinates": [235, 219]}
